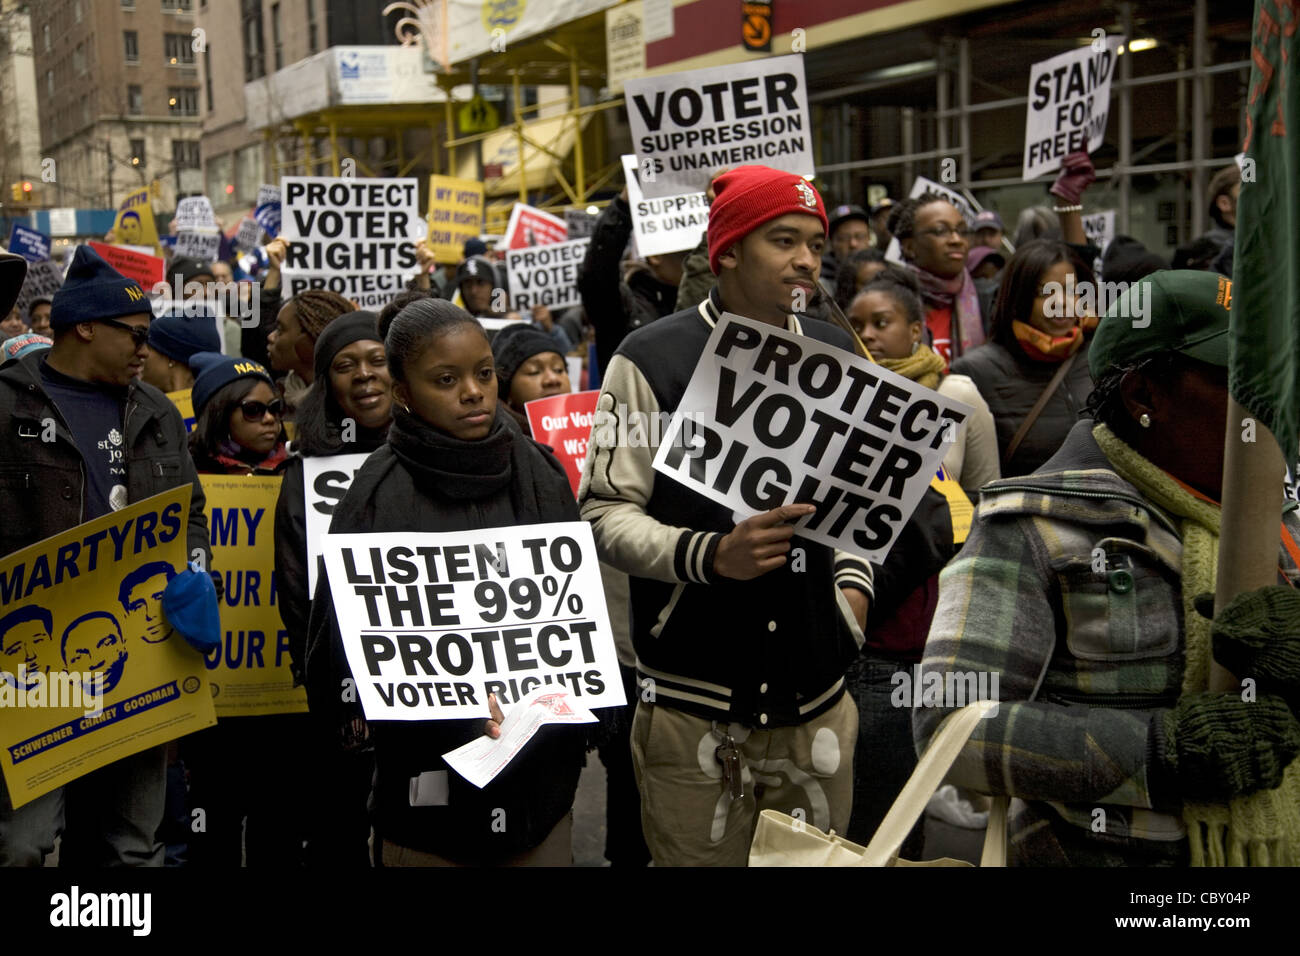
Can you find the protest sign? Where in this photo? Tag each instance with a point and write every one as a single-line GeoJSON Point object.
{"type": "Point", "coordinates": [185, 405]}
{"type": "Point", "coordinates": [433, 623]}
{"type": "Point", "coordinates": [266, 193]}
{"type": "Point", "coordinates": [194, 212]}
{"type": "Point", "coordinates": [93, 671]}
{"type": "Point", "coordinates": [564, 422]}
{"type": "Point", "coordinates": [530, 226]}
{"type": "Point", "coordinates": [31, 245]}
{"type": "Point", "coordinates": [663, 225]}
{"type": "Point", "coordinates": [624, 45]}
{"type": "Point", "coordinates": [356, 237]}
{"type": "Point", "coordinates": [546, 275]}
{"type": "Point", "coordinates": [201, 244]}
{"type": "Point", "coordinates": [146, 270]}
{"type": "Point", "coordinates": [455, 215]}
{"type": "Point", "coordinates": [1069, 102]}
{"type": "Point", "coordinates": [134, 225]}
{"type": "Point", "coordinates": [578, 223]}
{"type": "Point", "coordinates": [772, 418]}
{"type": "Point", "coordinates": [249, 673]}
{"type": "Point", "coordinates": [268, 217]}
{"type": "Point", "coordinates": [480, 760]}
{"type": "Point", "coordinates": [325, 481]}
{"type": "Point", "coordinates": [249, 234]}
{"type": "Point", "coordinates": [1099, 227]}
{"type": "Point", "coordinates": [43, 280]}
{"type": "Point", "coordinates": [686, 126]}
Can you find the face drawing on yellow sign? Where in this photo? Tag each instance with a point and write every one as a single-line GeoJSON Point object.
{"type": "Point", "coordinates": [26, 646]}
{"type": "Point", "coordinates": [141, 598]}
{"type": "Point", "coordinates": [129, 231]}
{"type": "Point", "coordinates": [93, 644]}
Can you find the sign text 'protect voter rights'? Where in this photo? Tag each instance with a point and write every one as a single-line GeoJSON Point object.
{"type": "Point", "coordinates": [772, 418]}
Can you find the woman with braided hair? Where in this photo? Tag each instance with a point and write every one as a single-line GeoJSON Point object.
{"type": "Point", "coordinates": [935, 238]}
{"type": "Point", "coordinates": [292, 345]}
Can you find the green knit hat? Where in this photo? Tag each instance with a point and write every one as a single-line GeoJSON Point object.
{"type": "Point", "coordinates": [1181, 310]}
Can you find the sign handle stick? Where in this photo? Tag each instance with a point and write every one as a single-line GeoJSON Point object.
{"type": "Point", "coordinates": [838, 318]}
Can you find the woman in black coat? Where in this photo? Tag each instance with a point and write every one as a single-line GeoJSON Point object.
{"type": "Point", "coordinates": [455, 461]}
{"type": "Point", "coordinates": [1041, 321]}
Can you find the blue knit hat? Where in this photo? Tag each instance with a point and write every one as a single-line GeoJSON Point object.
{"type": "Point", "coordinates": [213, 371]}
{"type": "Point", "coordinates": [94, 290]}
{"type": "Point", "coordinates": [178, 337]}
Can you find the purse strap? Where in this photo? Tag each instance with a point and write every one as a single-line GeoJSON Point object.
{"type": "Point", "coordinates": [930, 770]}
{"type": "Point", "coordinates": [1037, 410]}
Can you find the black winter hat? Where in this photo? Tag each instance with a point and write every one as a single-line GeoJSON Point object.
{"type": "Point", "coordinates": [513, 346]}
{"type": "Point", "coordinates": [339, 334]}
{"type": "Point", "coordinates": [94, 290]}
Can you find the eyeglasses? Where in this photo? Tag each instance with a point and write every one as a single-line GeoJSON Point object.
{"type": "Point", "coordinates": [941, 232]}
{"type": "Point", "coordinates": [139, 333]}
{"type": "Point", "coordinates": [256, 411]}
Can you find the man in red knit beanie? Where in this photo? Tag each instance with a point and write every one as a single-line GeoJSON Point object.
{"type": "Point", "coordinates": [742, 631]}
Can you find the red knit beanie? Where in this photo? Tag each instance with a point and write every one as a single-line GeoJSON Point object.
{"type": "Point", "coordinates": [748, 196]}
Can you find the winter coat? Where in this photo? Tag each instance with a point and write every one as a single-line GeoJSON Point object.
{"type": "Point", "coordinates": [1011, 383]}
{"type": "Point", "coordinates": [1087, 659]}
{"type": "Point", "coordinates": [616, 307]}
{"type": "Point", "coordinates": [43, 483]}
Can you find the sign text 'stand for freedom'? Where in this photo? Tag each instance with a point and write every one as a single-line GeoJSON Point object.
{"type": "Point", "coordinates": [777, 418]}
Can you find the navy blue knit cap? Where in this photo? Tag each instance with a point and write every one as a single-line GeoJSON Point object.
{"type": "Point", "coordinates": [213, 371]}
{"type": "Point", "coordinates": [178, 337]}
{"type": "Point", "coordinates": [94, 290]}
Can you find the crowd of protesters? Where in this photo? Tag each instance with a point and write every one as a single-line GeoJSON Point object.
{"type": "Point", "coordinates": [773, 684]}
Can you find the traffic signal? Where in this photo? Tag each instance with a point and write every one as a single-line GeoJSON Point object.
{"type": "Point", "coordinates": [22, 192]}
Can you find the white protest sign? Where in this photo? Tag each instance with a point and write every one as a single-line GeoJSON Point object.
{"type": "Point", "coordinates": [265, 194]}
{"type": "Point", "coordinates": [433, 623]}
{"type": "Point", "coordinates": [249, 233]}
{"type": "Point", "coordinates": [194, 212]}
{"type": "Point", "coordinates": [546, 275]}
{"type": "Point", "coordinates": [894, 252]}
{"type": "Point", "coordinates": [325, 481]}
{"type": "Point", "coordinates": [356, 237]}
{"type": "Point", "coordinates": [773, 418]}
{"type": "Point", "coordinates": [664, 225]}
{"type": "Point", "coordinates": [1100, 228]}
{"type": "Point", "coordinates": [1069, 101]}
{"type": "Point", "coordinates": [202, 244]}
{"type": "Point", "coordinates": [686, 126]}
{"type": "Point", "coordinates": [480, 760]}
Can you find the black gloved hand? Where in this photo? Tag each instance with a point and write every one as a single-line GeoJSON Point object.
{"type": "Point", "coordinates": [1212, 747]}
{"type": "Point", "coordinates": [1257, 635]}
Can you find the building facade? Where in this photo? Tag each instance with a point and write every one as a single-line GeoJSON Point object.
{"type": "Point", "coordinates": [119, 94]}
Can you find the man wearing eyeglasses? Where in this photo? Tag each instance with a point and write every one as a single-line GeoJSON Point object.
{"type": "Point", "coordinates": [82, 436]}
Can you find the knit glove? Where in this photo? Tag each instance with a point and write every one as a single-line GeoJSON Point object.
{"type": "Point", "coordinates": [1209, 748]}
{"type": "Point", "coordinates": [1258, 635]}
{"type": "Point", "coordinates": [1077, 174]}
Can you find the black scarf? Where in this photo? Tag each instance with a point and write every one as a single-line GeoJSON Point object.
{"type": "Point", "coordinates": [421, 466]}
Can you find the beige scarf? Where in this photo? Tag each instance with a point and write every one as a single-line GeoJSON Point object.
{"type": "Point", "coordinates": [924, 366]}
{"type": "Point", "coordinates": [1262, 829]}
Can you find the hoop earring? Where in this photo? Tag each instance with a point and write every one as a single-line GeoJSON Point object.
{"type": "Point", "coordinates": [1144, 420]}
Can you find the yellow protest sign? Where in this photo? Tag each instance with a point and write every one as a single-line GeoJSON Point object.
{"type": "Point", "coordinates": [959, 505]}
{"type": "Point", "coordinates": [455, 215]}
{"type": "Point", "coordinates": [250, 672]}
{"type": "Point", "coordinates": [91, 672]}
{"type": "Point", "coordinates": [185, 405]}
{"type": "Point", "coordinates": [134, 225]}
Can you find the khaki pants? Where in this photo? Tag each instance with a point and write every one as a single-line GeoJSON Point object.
{"type": "Point", "coordinates": [689, 818]}
{"type": "Point", "coordinates": [555, 850]}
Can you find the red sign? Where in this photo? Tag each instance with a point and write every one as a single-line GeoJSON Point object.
{"type": "Point", "coordinates": [530, 226]}
{"type": "Point", "coordinates": [564, 422]}
{"type": "Point", "coordinates": [492, 170]}
{"type": "Point", "coordinates": [144, 269]}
